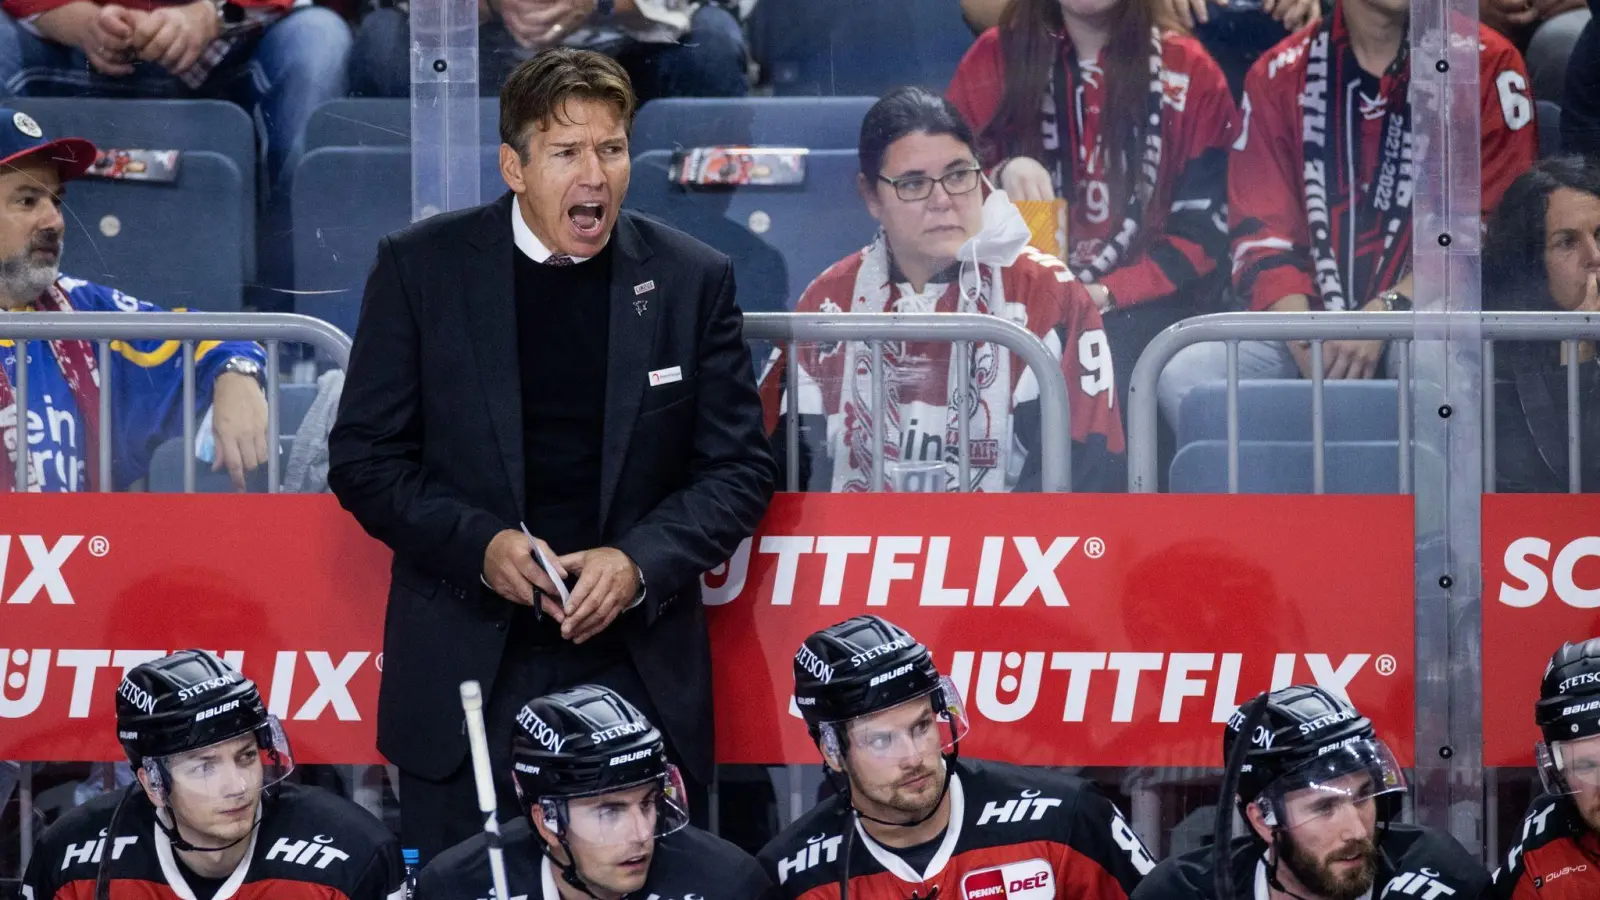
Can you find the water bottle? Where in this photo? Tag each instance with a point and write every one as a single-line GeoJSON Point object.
{"type": "Point", "coordinates": [413, 861]}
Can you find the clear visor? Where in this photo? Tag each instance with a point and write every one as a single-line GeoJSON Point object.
{"type": "Point", "coordinates": [1348, 779]}
{"type": "Point", "coordinates": [924, 725]}
{"type": "Point", "coordinates": [1569, 767]}
{"type": "Point", "coordinates": [633, 815]}
{"type": "Point", "coordinates": [238, 767]}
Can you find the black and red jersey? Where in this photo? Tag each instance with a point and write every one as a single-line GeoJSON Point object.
{"type": "Point", "coordinates": [1416, 863]}
{"type": "Point", "coordinates": [1267, 208]}
{"type": "Point", "coordinates": [1015, 833]}
{"type": "Point", "coordinates": [310, 845]}
{"type": "Point", "coordinates": [1557, 858]}
{"type": "Point", "coordinates": [1183, 234]}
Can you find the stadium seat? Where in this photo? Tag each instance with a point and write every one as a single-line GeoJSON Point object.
{"type": "Point", "coordinates": [1549, 129]}
{"type": "Point", "coordinates": [1285, 467]}
{"type": "Point", "coordinates": [780, 238]}
{"type": "Point", "coordinates": [1280, 410]}
{"type": "Point", "coordinates": [176, 245]}
{"type": "Point", "coordinates": [166, 464]}
{"type": "Point", "coordinates": [382, 122]}
{"type": "Point", "coordinates": [820, 123]}
{"type": "Point", "coordinates": [344, 199]}
{"type": "Point", "coordinates": [213, 126]}
{"type": "Point", "coordinates": [857, 47]}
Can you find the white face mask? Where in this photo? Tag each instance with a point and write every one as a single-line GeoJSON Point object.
{"type": "Point", "coordinates": [999, 241]}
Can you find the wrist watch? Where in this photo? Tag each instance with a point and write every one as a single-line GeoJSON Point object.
{"type": "Point", "coordinates": [1394, 301]}
{"type": "Point", "coordinates": [242, 365]}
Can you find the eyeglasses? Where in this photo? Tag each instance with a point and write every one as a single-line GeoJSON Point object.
{"type": "Point", "coordinates": [912, 188]}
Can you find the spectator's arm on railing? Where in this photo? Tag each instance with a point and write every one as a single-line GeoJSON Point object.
{"type": "Point", "coordinates": [375, 449]}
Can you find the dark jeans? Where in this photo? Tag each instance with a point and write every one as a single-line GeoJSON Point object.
{"type": "Point", "coordinates": [708, 62]}
{"type": "Point", "coordinates": [279, 77]}
{"type": "Point", "coordinates": [437, 815]}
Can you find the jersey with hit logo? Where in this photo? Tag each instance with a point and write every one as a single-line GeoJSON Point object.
{"type": "Point", "coordinates": [688, 864]}
{"type": "Point", "coordinates": [310, 845]}
{"type": "Point", "coordinates": [1556, 858]}
{"type": "Point", "coordinates": [1416, 863]}
{"type": "Point", "coordinates": [1015, 833]}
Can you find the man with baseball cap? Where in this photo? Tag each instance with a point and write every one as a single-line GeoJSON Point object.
{"type": "Point", "coordinates": [63, 377]}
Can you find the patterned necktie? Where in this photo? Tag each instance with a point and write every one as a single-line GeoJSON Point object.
{"type": "Point", "coordinates": [558, 259]}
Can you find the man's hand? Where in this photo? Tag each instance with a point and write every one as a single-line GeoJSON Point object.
{"type": "Point", "coordinates": [510, 570]}
{"type": "Point", "coordinates": [1294, 14]}
{"type": "Point", "coordinates": [173, 37]}
{"type": "Point", "coordinates": [103, 33]}
{"type": "Point", "coordinates": [1507, 15]}
{"type": "Point", "coordinates": [608, 583]}
{"type": "Point", "coordinates": [544, 23]}
{"type": "Point", "coordinates": [1023, 178]}
{"type": "Point", "coordinates": [239, 424]}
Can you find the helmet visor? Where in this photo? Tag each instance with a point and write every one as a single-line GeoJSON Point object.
{"type": "Point", "coordinates": [1350, 777]}
{"type": "Point", "coordinates": [1569, 767]}
{"type": "Point", "coordinates": [629, 815]}
{"type": "Point", "coordinates": [237, 767]}
{"type": "Point", "coordinates": [923, 725]}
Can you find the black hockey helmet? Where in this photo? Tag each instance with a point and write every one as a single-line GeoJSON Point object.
{"type": "Point", "coordinates": [190, 700]}
{"type": "Point", "coordinates": [1306, 737]}
{"type": "Point", "coordinates": [858, 667]}
{"type": "Point", "coordinates": [1568, 716]}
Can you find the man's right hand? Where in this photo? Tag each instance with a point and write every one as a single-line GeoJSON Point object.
{"type": "Point", "coordinates": [511, 571]}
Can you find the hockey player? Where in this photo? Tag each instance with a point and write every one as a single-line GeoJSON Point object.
{"type": "Point", "coordinates": [912, 819]}
{"type": "Point", "coordinates": [211, 815]}
{"type": "Point", "coordinates": [605, 816]}
{"type": "Point", "coordinates": [1317, 789]}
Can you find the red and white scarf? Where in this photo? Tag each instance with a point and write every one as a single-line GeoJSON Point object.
{"type": "Point", "coordinates": [78, 366]}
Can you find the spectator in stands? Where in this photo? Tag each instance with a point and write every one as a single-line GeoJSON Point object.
{"type": "Point", "coordinates": [1546, 31]}
{"type": "Point", "coordinates": [548, 373]}
{"type": "Point", "coordinates": [63, 379]}
{"type": "Point", "coordinates": [276, 58]}
{"type": "Point", "coordinates": [1145, 204]}
{"type": "Point", "coordinates": [1542, 254]}
{"type": "Point", "coordinates": [943, 248]}
{"type": "Point", "coordinates": [670, 48]}
{"type": "Point", "coordinates": [1320, 204]}
{"type": "Point", "coordinates": [1580, 103]}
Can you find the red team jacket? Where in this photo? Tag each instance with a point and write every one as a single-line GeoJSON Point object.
{"type": "Point", "coordinates": [1184, 232]}
{"type": "Point", "coordinates": [1058, 309]}
{"type": "Point", "coordinates": [1266, 187]}
{"type": "Point", "coordinates": [1558, 857]}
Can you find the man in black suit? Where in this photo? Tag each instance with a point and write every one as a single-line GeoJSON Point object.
{"type": "Point", "coordinates": [553, 362]}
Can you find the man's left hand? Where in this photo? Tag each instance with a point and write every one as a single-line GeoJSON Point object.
{"type": "Point", "coordinates": [549, 22]}
{"type": "Point", "coordinates": [239, 422]}
{"type": "Point", "coordinates": [608, 583]}
{"type": "Point", "coordinates": [173, 37]}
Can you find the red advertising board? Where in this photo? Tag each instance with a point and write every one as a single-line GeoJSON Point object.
{"type": "Point", "coordinates": [1541, 586]}
{"type": "Point", "coordinates": [1088, 630]}
{"type": "Point", "coordinates": [1083, 629]}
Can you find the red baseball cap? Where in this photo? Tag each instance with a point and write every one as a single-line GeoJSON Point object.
{"type": "Point", "coordinates": [21, 137]}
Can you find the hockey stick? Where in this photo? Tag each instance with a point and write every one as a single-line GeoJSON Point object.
{"type": "Point", "coordinates": [472, 704]}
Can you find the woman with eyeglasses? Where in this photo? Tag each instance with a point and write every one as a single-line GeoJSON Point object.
{"type": "Point", "coordinates": [945, 244]}
{"type": "Point", "coordinates": [1092, 101]}
{"type": "Point", "coordinates": [1542, 254]}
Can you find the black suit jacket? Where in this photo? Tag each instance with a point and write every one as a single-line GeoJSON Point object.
{"type": "Point", "coordinates": [427, 454]}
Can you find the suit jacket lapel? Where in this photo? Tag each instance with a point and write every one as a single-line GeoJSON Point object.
{"type": "Point", "coordinates": [633, 331]}
{"type": "Point", "coordinates": [488, 288]}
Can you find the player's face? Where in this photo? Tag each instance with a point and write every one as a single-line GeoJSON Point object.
{"type": "Point", "coordinates": [31, 229]}
{"type": "Point", "coordinates": [926, 233]}
{"type": "Point", "coordinates": [570, 176]}
{"type": "Point", "coordinates": [1334, 853]}
{"type": "Point", "coordinates": [895, 761]}
{"type": "Point", "coordinates": [1572, 248]}
{"type": "Point", "coordinates": [215, 791]}
{"type": "Point", "coordinates": [613, 838]}
{"type": "Point", "coordinates": [1581, 769]}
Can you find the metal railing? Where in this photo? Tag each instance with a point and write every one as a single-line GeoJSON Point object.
{"type": "Point", "coordinates": [269, 329]}
{"type": "Point", "coordinates": [958, 329]}
{"type": "Point", "coordinates": [1399, 328]}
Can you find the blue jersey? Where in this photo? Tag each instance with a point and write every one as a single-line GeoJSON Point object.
{"type": "Point", "coordinates": [146, 395]}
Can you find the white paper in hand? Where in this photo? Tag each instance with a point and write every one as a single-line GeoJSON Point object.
{"type": "Point", "coordinates": [549, 567]}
